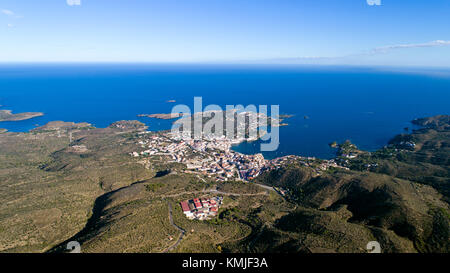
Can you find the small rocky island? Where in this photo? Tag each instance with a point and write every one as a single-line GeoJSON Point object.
{"type": "Point", "coordinates": [285, 116]}
{"type": "Point", "coordinates": [7, 115]}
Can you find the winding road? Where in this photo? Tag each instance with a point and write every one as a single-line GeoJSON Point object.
{"type": "Point", "coordinates": [177, 227]}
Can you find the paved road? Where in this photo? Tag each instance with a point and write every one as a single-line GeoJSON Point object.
{"type": "Point", "coordinates": [177, 227]}
{"type": "Point", "coordinates": [220, 192]}
{"type": "Point", "coordinates": [236, 194]}
{"type": "Point", "coordinates": [265, 187]}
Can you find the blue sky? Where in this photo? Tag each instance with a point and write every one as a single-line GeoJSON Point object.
{"type": "Point", "coordinates": [398, 32]}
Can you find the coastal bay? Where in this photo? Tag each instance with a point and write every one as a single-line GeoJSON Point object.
{"type": "Point", "coordinates": [325, 104]}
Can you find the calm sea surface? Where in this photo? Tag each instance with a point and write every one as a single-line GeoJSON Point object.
{"type": "Point", "coordinates": [367, 106]}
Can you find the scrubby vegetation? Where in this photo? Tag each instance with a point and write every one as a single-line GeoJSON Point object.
{"type": "Point", "coordinates": [91, 190]}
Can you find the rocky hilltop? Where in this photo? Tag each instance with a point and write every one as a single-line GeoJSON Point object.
{"type": "Point", "coordinates": [398, 195]}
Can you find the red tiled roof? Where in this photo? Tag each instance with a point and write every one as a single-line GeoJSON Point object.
{"type": "Point", "coordinates": [185, 206]}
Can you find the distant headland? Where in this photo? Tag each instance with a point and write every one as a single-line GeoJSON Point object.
{"type": "Point", "coordinates": [162, 116]}
{"type": "Point", "coordinates": [62, 125]}
{"type": "Point", "coordinates": [7, 115]}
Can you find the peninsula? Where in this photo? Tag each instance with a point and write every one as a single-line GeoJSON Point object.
{"type": "Point", "coordinates": [62, 125]}
{"type": "Point", "coordinates": [162, 116]}
{"type": "Point", "coordinates": [7, 115]}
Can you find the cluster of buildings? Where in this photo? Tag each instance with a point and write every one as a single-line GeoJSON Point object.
{"type": "Point", "coordinates": [409, 145]}
{"type": "Point", "coordinates": [214, 158]}
{"type": "Point", "coordinates": [161, 145]}
{"type": "Point", "coordinates": [201, 208]}
{"type": "Point", "coordinates": [210, 157]}
{"type": "Point", "coordinates": [225, 165]}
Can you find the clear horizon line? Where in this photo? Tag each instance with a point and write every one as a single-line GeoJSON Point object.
{"type": "Point", "coordinates": [254, 63]}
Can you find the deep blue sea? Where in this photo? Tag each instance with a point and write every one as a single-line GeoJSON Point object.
{"type": "Point", "coordinates": [365, 105]}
